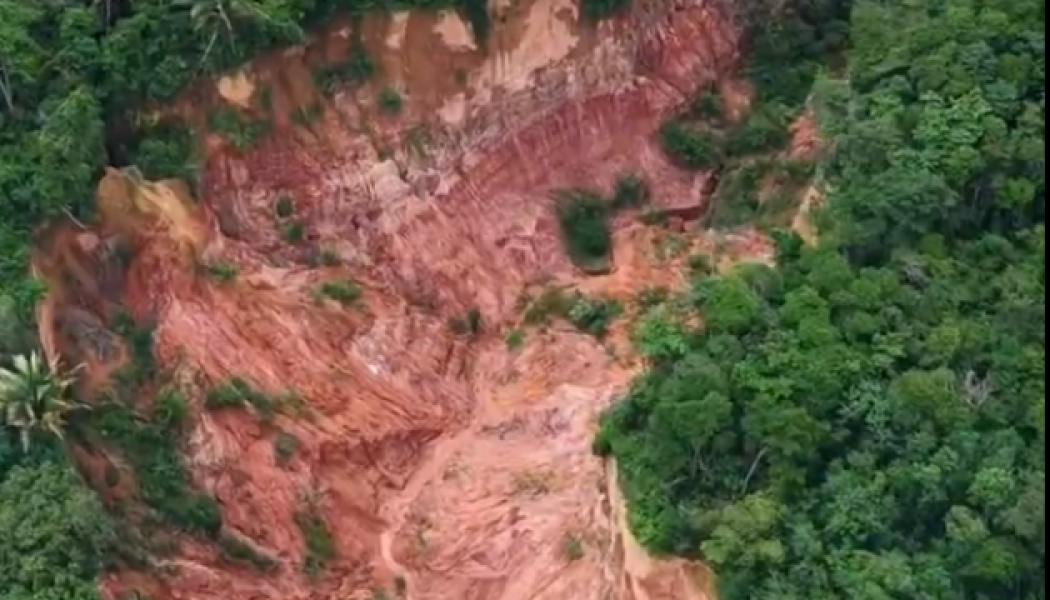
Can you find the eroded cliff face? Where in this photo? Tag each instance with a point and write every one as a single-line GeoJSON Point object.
{"type": "Point", "coordinates": [446, 468]}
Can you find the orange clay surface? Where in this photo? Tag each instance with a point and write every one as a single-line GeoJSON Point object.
{"type": "Point", "coordinates": [446, 467]}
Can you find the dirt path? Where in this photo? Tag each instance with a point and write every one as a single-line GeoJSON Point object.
{"type": "Point", "coordinates": [394, 513]}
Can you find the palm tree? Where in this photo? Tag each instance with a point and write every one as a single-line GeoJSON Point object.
{"type": "Point", "coordinates": [34, 396]}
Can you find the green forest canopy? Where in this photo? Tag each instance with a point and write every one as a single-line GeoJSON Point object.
{"type": "Point", "coordinates": [866, 421]}
{"type": "Point", "coordinates": [871, 423]}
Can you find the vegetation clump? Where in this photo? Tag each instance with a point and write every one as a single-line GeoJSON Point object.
{"type": "Point", "coordinates": [514, 339]}
{"type": "Point", "coordinates": [150, 442]}
{"type": "Point", "coordinates": [573, 547]}
{"type": "Point", "coordinates": [284, 207]}
{"type": "Point", "coordinates": [330, 257]}
{"type": "Point", "coordinates": [356, 69]}
{"type": "Point", "coordinates": [707, 104]}
{"type": "Point", "coordinates": [241, 131]}
{"type": "Point", "coordinates": [293, 232]}
{"type": "Point", "coordinates": [222, 271]}
{"type": "Point", "coordinates": [583, 218]}
{"type": "Point", "coordinates": [320, 547]}
{"type": "Point", "coordinates": [591, 315]}
{"type": "Point", "coordinates": [693, 149]}
{"type": "Point", "coordinates": [390, 101]}
{"type": "Point", "coordinates": [345, 292]}
{"type": "Point", "coordinates": [469, 324]}
{"type": "Point", "coordinates": [236, 392]}
{"type": "Point", "coordinates": [631, 191]}
{"type": "Point", "coordinates": [285, 445]}
{"type": "Point", "coordinates": [236, 550]}
{"type": "Point", "coordinates": [597, 10]}
{"type": "Point", "coordinates": [477, 14]}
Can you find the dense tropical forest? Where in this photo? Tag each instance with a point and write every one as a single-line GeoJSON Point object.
{"type": "Point", "coordinates": [866, 420]}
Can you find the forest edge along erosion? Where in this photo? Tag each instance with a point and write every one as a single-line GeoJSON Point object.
{"type": "Point", "coordinates": [369, 360]}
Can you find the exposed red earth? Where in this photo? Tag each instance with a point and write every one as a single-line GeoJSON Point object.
{"type": "Point", "coordinates": [453, 468]}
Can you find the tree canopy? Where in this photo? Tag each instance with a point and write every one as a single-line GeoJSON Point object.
{"type": "Point", "coordinates": [54, 534]}
{"type": "Point", "coordinates": [866, 420]}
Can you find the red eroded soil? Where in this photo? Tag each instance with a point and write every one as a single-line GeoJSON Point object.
{"type": "Point", "coordinates": [461, 466]}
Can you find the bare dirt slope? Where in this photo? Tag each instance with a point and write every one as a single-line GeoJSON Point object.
{"type": "Point", "coordinates": [461, 467]}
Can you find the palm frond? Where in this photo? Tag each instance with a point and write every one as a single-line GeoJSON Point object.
{"type": "Point", "coordinates": [34, 395]}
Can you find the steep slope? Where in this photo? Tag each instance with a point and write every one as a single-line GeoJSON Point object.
{"type": "Point", "coordinates": [444, 466]}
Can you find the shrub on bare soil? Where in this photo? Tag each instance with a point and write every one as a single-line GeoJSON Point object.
{"type": "Point", "coordinates": [583, 218]}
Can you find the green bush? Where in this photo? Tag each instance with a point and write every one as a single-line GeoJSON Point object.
{"type": "Point", "coordinates": [514, 339]}
{"type": "Point", "coordinates": [707, 104]}
{"type": "Point", "coordinates": [651, 296]}
{"type": "Point", "coordinates": [736, 201]}
{"type": "Point", "coordinates": [222, 271]}
{"type": "Point", "coordinates": [170, 409]}
{"type": "Point", "coordinates": [477, 14]}
{"type": "Point", "coordinates": [597, 10]}
{"type": "Point", "coordinates": [293, 232]}
{"type": "Point", "coordinates": [236, 392]}
{"type": "Point", "coordinates": [241, 131]}
{"type": "Point", "coordinates": [285, 445]}
{"type": "Point", "coordinates": [151, 443]}
{"type": "Point", "coordinates": [320, 547]}
{"type": "Point", "coordinates": [632, 191]}
{"type": "Point", "coordinates": [552, 302]}
{"type": "Point", "coordinates": [700, 264]}
{"type": "Point", "coordinates": [238, 551]}
{"type": "Point", "coordinates": [330, 257]}
{"type": "Point", "coordinates": [152, 446]}
{"type": "Point", "coordinates": [587, 314]}
{"type": "Point", "coordinates": [165, 150]}
{"type": "Point", "coordinates": [766, 129]}
{"type": "Point", "coordinates": [474, 321]}
{"type": "Point", "coordinates": [142, 365]}
{"type": "Point", "coordinates": [469, 324]}
{"type": "Point", "coordinates": [284, 207]}
{"type": "Point", "coordinates": [345, 292]}
{"type": "Point", "coordinates": [592, 315]}
{"type": "Point", "coordinates": [390, 101]}
{"type": "Point", "coordinates": [691, 149]}
{"type": "Point", "coordinates": [583, 218]}
{"type": "Point", "coordinates": [228, 394]}
{"type": "Point", "coordinates": [573, 547]}
{"type": "Point", "coordinates": [356, 69]}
